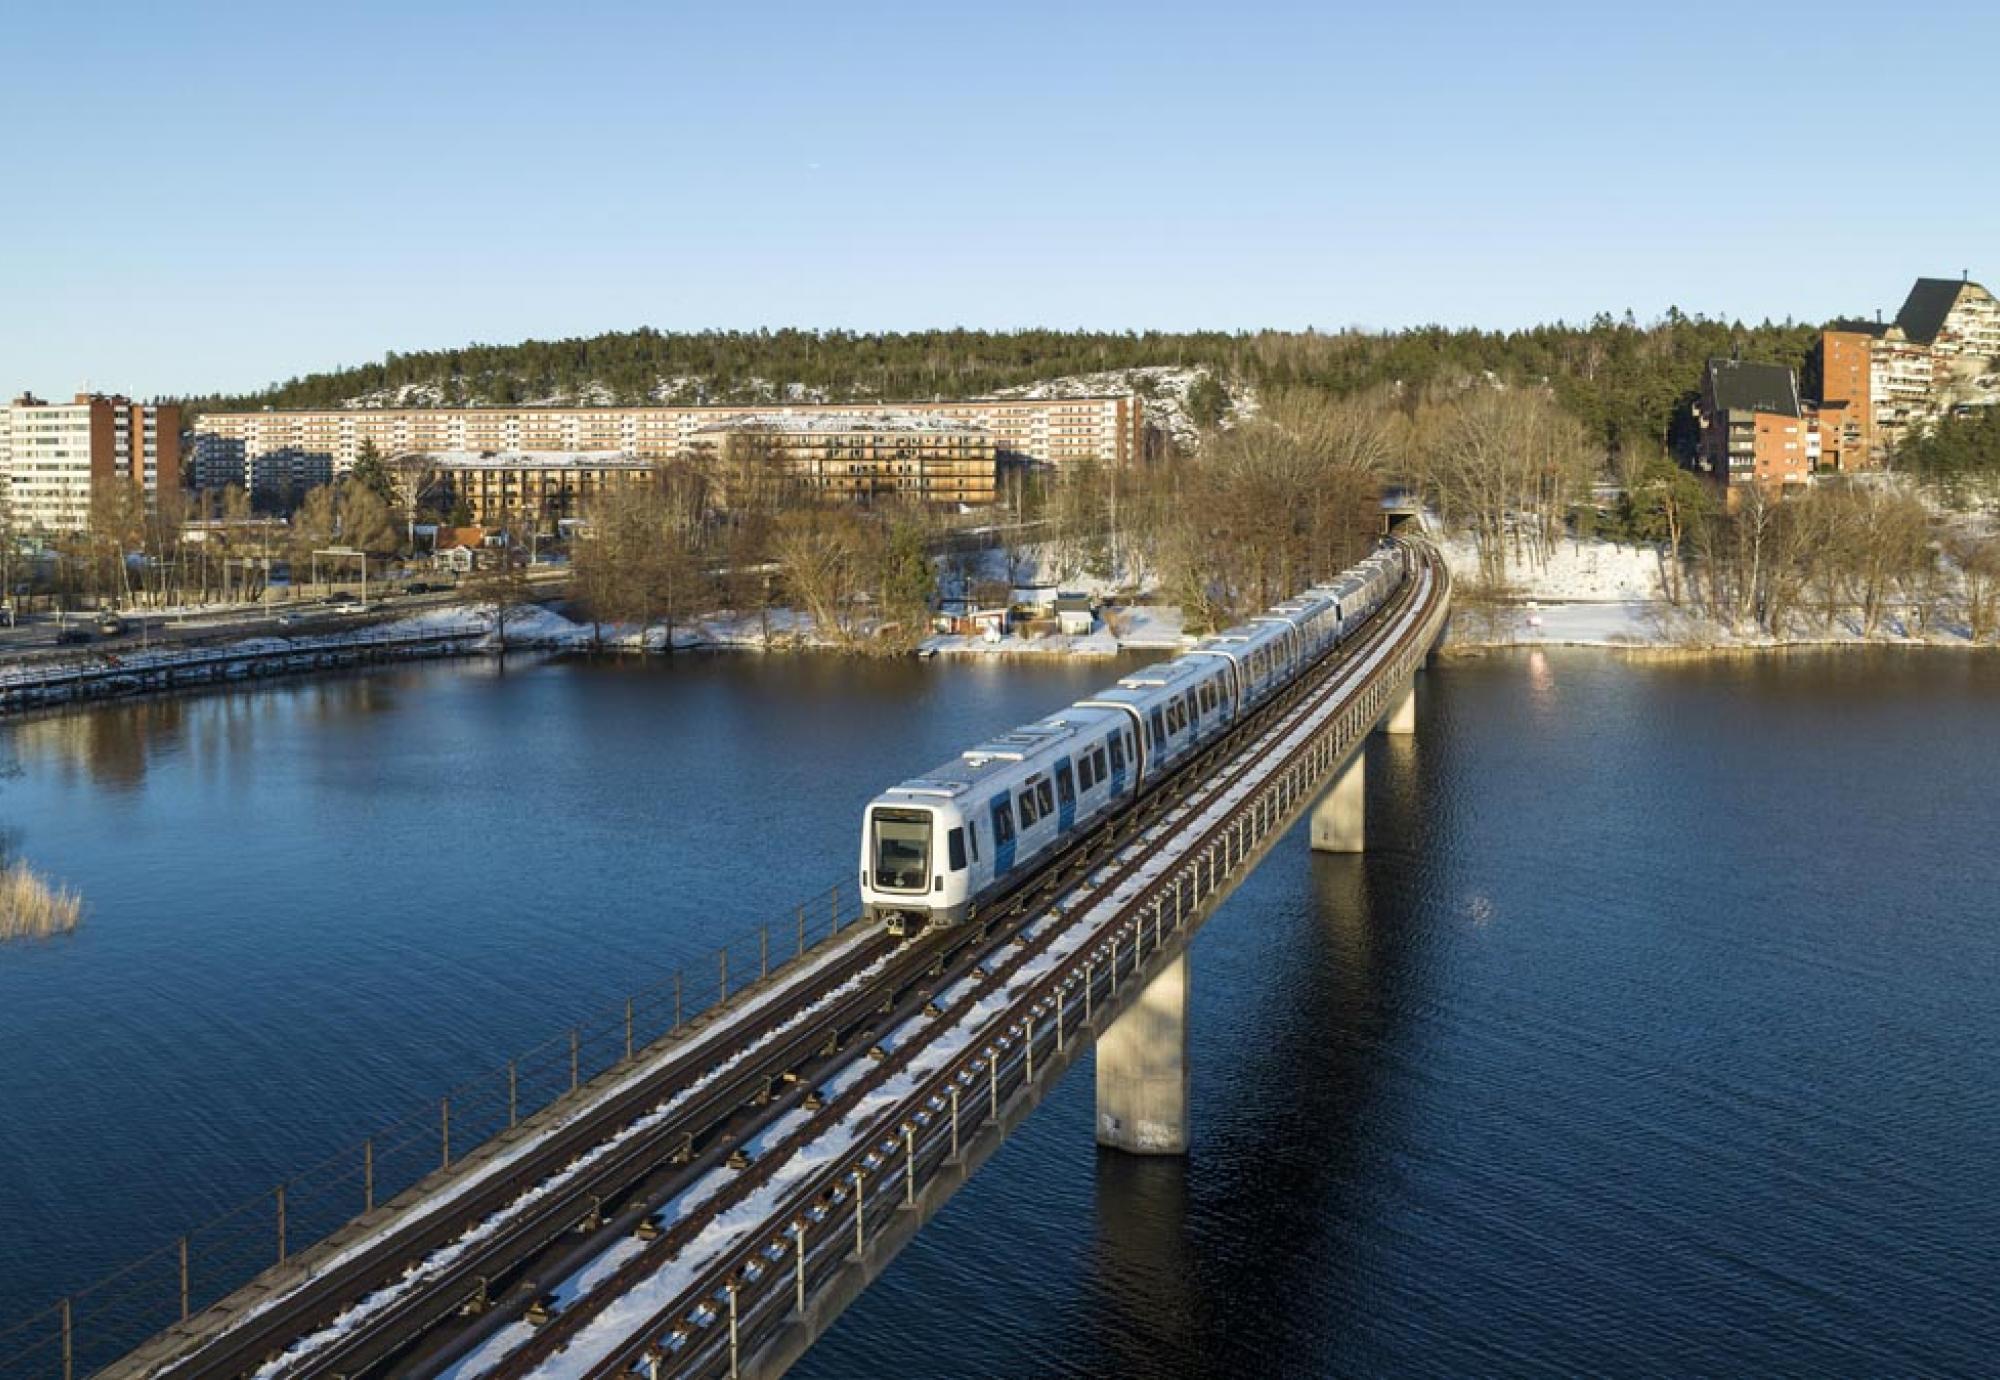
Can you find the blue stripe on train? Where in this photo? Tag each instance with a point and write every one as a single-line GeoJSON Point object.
{"type": "Point", "coordinates": [1003, 853]}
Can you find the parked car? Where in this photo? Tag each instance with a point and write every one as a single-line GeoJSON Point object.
{"type": "Point", "coordinates": [418, 587]}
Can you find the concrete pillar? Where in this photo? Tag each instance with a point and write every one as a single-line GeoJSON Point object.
{"type": "Point", "coordinates": [1338, 821]}
{"type": "Point", "coordinates": [1403, 718]}
{"type": "Point", "coordinates": [1142, 1072]}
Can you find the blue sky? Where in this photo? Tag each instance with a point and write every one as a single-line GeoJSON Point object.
{"type": "Point", "coordinates": [216, 196]}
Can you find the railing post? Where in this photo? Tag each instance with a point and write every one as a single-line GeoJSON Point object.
{"type": "Point", "coordinates": [575, 1058]}
{"type": "Point", "coordinates": [993, 1083]}
{"type": "Point", "coordinates": [860, 1237]}
{"type": "Point", "coordinates": [733, 1341]}
{"type": "Point", "coordinates": [1089, 981]}
{"type": "Point", "coordinates": [513, 1094]}
{"type": "Point", "coordinates": [628, 1030]}
{"type": "Point", "coordinates": [368, 1174]}
{"type": "Point", "coordinates": [802, 931]}
{"type": "Point", "coordinates": [677, 999]}
{"type": "Point", "coordinates": [909, 1165]}
{"type": "Point", "coordinates": [833, 904]}
{"type": "Point", "coordinates": [954, 1119]}
{"type": "Point", "coordinates": [186, 1292]}
{"type": "Point", "coordinates": [68, 1345]}
{"type": "Point", "coordinates": [444, 1129]}
{"type": "Point", "coordinates": [799, 1273]}
{"type": "Point", "coordinates": [1030, 1075]}
{"type": "Point", "coordinates": [723, 955]}
{"type": "Point", "coordinates": [763, 952]}
{"type": "Point", "coordinates": [1060, 992]}
{"type": "Point", "coordinates": [281, 1224]}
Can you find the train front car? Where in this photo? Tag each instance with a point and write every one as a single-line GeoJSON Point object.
{"type": "Point", "coordinates": [915, 861]}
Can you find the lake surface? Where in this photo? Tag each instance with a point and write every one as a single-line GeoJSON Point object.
{"type": "Point", "coordinates": [1655, 1035]}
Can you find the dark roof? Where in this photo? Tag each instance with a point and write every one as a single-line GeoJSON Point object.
{"type": "Point", "coordinates": [1740, 386]}
{"type": "Point", "coordinates": [1925, 309]}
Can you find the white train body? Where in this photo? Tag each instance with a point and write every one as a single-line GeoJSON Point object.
{"type": "Point", "coordinates": [934, 848]}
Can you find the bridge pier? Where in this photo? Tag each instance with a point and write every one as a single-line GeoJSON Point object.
{"type": "Point", "coordinates": [1142, 1069]}
{"type": "Point", "coordinates": [1340, 819]}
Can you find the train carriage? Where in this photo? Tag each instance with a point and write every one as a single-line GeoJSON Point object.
{"type": "Point", "coordinates": [934, 848]}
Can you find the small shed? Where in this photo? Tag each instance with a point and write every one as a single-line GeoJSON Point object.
{"type": "Point", "coordinates": [1076, 614]}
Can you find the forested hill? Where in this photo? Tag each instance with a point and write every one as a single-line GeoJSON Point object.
{"type": "Point", "coordinates": [1624, 380]}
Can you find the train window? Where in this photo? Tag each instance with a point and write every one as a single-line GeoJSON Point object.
{"type": "Point", "coordinates": [1191, 706]}
{"type": "Point", "coordinates": [1028, 814]}
{"type": "Point", "coordinates": [954, 844]}
{"type": "Point", "coordinates": [1159, 726]}
{"type": "Point", "coordinates": [1045, 797]}
{"type": "Point", "coordinates": [1097, 757]}
{"type": "Point", "coordinates": [1065, 785]}
{"type": "Point", "coordinates": [902, 849]}
{"type": "Point", "coordinates": [972, 837]}
{"type": "Point", "coordinates": [1003, 823]}
{"type": "Point", "coordinates": [1117, 751]}
{"type": "Point", "coordinates": [1085, 777]}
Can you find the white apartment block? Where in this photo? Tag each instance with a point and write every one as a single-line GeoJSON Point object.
{"type": "Point", "coordinates": [228, 445]}
{"type": "Point", "coordinates": [57, 458]}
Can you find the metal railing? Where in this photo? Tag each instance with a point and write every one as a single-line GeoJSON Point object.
{"type": "Point", "coordinates": [96, 1325]}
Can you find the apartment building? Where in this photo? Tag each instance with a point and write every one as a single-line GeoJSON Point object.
{"type": "Point", "coordinates": [1752, 428]}
{"type": "Point", "coordinates": [1040, 431]}
{"type": "Point", "coordinates": [1843, 420]}
{"type": "Point", "coordinates": [859, 455]}
{"type": "Point", "coordinates": [540, 488]}
{"type": "Point", "coordinates": [57, 459]}
{"type": "Point", "coordinates": [1942, 352]}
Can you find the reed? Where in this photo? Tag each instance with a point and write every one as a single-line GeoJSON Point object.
{"type": "Point", "coordinates": [30, 908]}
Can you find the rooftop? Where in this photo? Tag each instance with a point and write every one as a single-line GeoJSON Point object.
{"type": "Point", "coordinates": [1738, 385]}
{"type": "Point", "coordinates": [1929, 303]}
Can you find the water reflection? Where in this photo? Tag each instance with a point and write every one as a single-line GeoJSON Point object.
{"type": "Point", "coordinates": [114, 745]}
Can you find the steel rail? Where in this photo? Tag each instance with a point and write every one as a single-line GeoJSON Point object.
{"type": "Point", "coordinates": [383, 1262]}
{"type": "Point", "coordinates": [718, 1284]}
{"type": "Point", "coordinates": [561, 1329]}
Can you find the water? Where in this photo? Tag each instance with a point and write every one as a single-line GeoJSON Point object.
{"type": "Point", "coordinates": [1653, 1035]}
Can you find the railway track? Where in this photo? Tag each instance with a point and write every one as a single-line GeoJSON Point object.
{"type": "Point", "coordinates": [1020, 948]}
{"type": "Point", "coordinates": [606, 1178]}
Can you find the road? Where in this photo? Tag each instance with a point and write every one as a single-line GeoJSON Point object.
{"type": "Point", "coordinates": [36, 640]}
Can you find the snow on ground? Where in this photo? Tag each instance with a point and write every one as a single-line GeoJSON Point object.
{"type": "Point", "coordinates": [1576, 570]}
{"type": "Point", "coordinates": [1162, 389]}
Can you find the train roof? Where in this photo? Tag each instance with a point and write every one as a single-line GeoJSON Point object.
{"type": "Point", "coordinates": [1000, 755]}
{"type": "Point", "coordinates": [1162, 673]}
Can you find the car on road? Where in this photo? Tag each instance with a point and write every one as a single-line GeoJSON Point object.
{"type": "Point", "coordinates": [350, 606]}
{"type": "Point", "coordinates": [286, 620]}
{"type": "Point", "coordinates": [71, 636]}
{"type": "Point", "coordinates": [110, 625]}
{"type": "Point", "coordinates": [419, 587]}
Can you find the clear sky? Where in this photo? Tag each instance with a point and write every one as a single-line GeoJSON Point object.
{"type": "Point", "coordinates": [214, 196]}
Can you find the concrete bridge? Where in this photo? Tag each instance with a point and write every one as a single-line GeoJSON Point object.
{"type": "Point", "coordinates": [715, 1199]}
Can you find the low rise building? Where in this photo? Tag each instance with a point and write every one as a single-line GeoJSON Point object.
{"type": "Point", "coordinates": [58, 459]}
{"type": "Point", "coordinates": [858, 456]}
{"type": "Point", "coordinates": [1752, 428]}
{"type": "Point", "coordinates": [542, 489]}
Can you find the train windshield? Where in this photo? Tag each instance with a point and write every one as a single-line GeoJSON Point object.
{"type": "Point", "coordinates": [902, 849]}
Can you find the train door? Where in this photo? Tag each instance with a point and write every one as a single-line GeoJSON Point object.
{"type": "Point", "coordinates": [1065, 795]}
{"type": "Point", "coordinates": [1003, 833]}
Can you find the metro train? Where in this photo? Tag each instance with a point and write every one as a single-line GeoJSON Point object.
{"type": "Point", "coordinates": [936, 847]}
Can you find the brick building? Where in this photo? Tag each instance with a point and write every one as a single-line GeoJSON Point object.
{"type": "Point", "coordinates": [1752, 428]}
{"type": "Point", "coordinates": [57, 459]}
{"type": "Point", "coordinates": [541, 488]}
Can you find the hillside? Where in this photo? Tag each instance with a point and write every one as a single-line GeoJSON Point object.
{"type": "Point", "coordinates": [1624, 380]}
